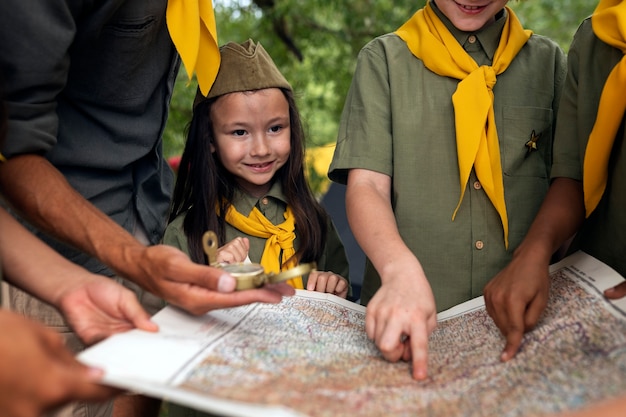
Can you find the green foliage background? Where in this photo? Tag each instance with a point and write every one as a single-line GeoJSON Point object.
{"type": "Point", "coordinates": [315, 44]}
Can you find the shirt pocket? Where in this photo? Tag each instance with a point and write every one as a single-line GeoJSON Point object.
{"type": "Point", "coordinates": [123, 64]}
{"type": "Point", "coordinates": [526, 141]}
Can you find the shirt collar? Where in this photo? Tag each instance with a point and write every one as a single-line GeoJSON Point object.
{"type": "Point", "coordinates": [245, 202]}
{"type": "Point", "coordinates": [488, 37]}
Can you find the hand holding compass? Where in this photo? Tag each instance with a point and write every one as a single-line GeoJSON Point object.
{"type": "Point", "coordinates": [250, 275]}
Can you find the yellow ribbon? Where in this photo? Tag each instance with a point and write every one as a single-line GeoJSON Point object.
{"type": "Point", "coordinates": [476, 137]}
{"type": "Point", "coordinates": [193, 30]}
{"type": "Point", "coordinates": [609, 25]}
{"type": "Point", "coordinates": [279, 237]}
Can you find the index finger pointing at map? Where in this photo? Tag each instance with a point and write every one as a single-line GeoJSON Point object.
{"type": "Point", "coordinates": [419, 349]}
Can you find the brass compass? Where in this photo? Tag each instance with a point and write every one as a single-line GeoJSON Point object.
{"type": "Point", "coordinates": [250, 275]}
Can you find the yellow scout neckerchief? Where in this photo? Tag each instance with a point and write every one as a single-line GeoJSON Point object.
{"type": "Point", "coordinates": [476, 136]}
{"type": "Point", "coordinates": [609, 25]}
{"type": "Point", "coordinates": [192, 27]}
{"type": "Point", "coordinates": [280, 236]}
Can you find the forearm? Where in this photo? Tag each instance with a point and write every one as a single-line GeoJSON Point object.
{"type": "Point", "coordinates": [41, 194]}
{"type": "Point", "coordinates": [34, 267]}
{"type": "Point", "coordinates": [561, 214]}
{"type": "Point", "coordinates": [373, 223]}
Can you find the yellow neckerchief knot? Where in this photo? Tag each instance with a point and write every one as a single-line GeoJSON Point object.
{"type": "Point", "coordinates": [476, 137]}
{"type": "Point", "coordinates": [193, 30]}
{"type": "Point", "coordinates": [609, 24]}
{"type": "Point", "coordinates": [279, 237]}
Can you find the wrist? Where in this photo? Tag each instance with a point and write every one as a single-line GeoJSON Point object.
{"type": "Point", "coordinates": [537, 253]}
{"type": "Point", "coordinates": [125, 259]}
{"type": "Point", "coordinates": [76, 280]}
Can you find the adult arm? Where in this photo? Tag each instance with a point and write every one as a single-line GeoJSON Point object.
{"type": "Point", "coordinates": [38, 373]}
{"type": "Point", "coordinates": [40, 192]}
{"type": "Point", "coordinates": [402, 314]}
{"type": "Point", "coordinates": [94, 306]}
{"type": "Point", "coordinates": [517, 295]}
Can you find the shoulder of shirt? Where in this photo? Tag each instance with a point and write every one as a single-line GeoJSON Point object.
{"type": "Point", "coordinates": [383, 44]}
{"type": "Point", "coordinates": [584, 28]}
{"type": "Point", "coordinates": [177, 223]}
{"type": "Point", "coordinates": [538, 39]}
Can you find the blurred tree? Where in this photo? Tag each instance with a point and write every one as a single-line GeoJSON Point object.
{"type": "Point", "coordinates": [315, 44]}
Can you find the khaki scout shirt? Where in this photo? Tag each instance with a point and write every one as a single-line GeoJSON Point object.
{"type": "Point", "coordinates": [273, 206]}
{"type": "Point", "coordinates": [398, 120]}
{"type": "Point", "coordinates": [590, 61]}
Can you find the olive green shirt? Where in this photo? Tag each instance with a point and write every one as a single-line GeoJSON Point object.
{"type": "Point", "coordinates": [398, 120]}
{"type": "Point", "coordinates": [603, 234]}
{"type": "Point", "coordinates": [273, 206]}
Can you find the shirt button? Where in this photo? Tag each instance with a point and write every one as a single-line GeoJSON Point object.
{"type": "Point", "coordinates": [472, 39]}
{"type": "Point", "coordinates": [265, 201]}
{"type": "Point", "coordinates": [477, 185]}
{"type": "Point", "coordinates": [479, 244]}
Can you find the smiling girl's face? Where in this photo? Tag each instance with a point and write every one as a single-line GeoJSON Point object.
{"type": "Point", "coordinates": [471, 15]}
{"type": "Point", "coordinates": [252, 136]}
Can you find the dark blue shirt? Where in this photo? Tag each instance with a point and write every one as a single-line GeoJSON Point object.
{"type": "Point", "coordinates": [88, 85]}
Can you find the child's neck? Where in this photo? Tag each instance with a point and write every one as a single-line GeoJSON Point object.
{"type": "Point", "coordinates": [256, 191]}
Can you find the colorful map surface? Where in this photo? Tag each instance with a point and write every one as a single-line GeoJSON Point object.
{"type": "Point", "coordinates": [310, 355]}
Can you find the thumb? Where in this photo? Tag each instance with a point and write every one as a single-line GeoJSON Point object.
{"type": "Point", "coordinates": [616, 292]}
{"type": "Point", "coordinates": [135, 313]}
{"type": "Point", "coordinates": [214, 279]}
{"type": "Point", "coordinates": [86, 384]}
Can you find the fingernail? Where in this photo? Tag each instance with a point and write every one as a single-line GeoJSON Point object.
{"type": "Point", "coordinates": [226, 283]}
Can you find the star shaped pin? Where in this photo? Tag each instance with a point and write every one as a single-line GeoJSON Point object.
{"type": "Point", "coordinates": [532, 143]}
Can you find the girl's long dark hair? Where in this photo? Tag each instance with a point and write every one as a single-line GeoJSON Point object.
{"type": "Point", "coordinates": [205, 188]}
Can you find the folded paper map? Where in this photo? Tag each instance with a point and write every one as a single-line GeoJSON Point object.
{"type": "Point", "coordinates": [310, 356]}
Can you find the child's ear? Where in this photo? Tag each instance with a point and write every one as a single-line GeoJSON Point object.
{"type": "Point", "coordinates": [212, 147]}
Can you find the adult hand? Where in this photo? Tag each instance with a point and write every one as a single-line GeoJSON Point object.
{"type": "Point", "coordinates": [99, 307]}
{"type": "Point", "coordinates": [38, 373]}
{"type": "Point", "coordinates": [327, 282]}
{"type": "Point", "coordinates": [402, 315]}
{"type": "Point", "coordinates": [170, 274]}
{"type": "Point", "coordinates": [234, 251]}
{"type": "Point", "coordinates": [515, 299]}
{"type": "Point", "coordinates": [43, 195]}
{"type": "Point", "coordinates": [94, 306]}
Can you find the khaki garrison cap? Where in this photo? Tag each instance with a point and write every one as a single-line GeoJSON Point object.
{"type": "Point", "coordinates": [244, 67]}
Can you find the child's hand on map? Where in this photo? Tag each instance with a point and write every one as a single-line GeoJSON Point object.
{"type": "Point", "coordinates": [516, 297]}
{"type": "Point", "coordinates": [38, 373]}
{"type": "Point", "coordinates": [402, 315]}
{"type": "Point", "coordinates": [328, 282]}
{"type": "Point", "coordinates": [234, 251]}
